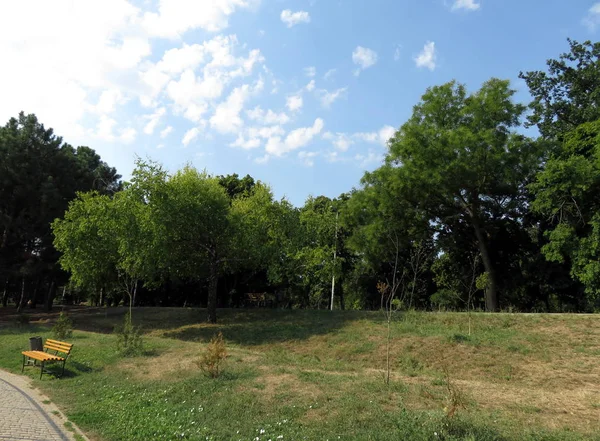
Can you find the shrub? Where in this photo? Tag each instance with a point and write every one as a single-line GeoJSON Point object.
{"type": "Point", "coordinates": [22, 319]}
{"type": "Point", "coordinates": [129, 338]}
{"type": "Point", "coordinates": [213, 357]}
{"type": "Point", "coordinates": [63, 328]}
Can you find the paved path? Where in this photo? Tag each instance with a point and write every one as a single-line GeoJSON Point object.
{"type": "Point", "coordinates": [24, 416]}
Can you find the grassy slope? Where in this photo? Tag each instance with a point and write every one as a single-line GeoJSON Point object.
{"type": "Point", "coordinates": [318, 375]}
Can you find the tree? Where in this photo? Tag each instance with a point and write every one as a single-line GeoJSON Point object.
{"type": "Point", "coordinates": [39, 175]}
{"type": "Point", "coordinates": [568, 95]}
{"type": "Point", "coordinates": [566, 110]}
{"type": "Point", "coordinates": [89, 248]}
{"type": "Point", "coordinates": [568, 193]}
{"type": "Point", "coordinates": [458, 157]}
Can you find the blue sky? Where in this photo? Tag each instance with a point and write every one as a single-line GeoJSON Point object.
{"type": "Point", "coordinates": [301, 94]}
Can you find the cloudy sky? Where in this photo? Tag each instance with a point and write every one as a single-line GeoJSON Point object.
{"type": "Point", "coordinates": [301, 94]}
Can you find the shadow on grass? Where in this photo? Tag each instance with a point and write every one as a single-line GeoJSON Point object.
{"type": "Point", "coordinates": [256, 327]}
{"type": "Point", "coordinates": [240, 326]}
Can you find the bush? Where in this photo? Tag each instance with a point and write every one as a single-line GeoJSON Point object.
{"type": "Point", "coordinates": [129, 338]}
{"type": "Point", "coordinates": [63, 328]}
{"type": "Point", "coordinates": [22, 319]}
{"type": "Point", "coordinates": [215, 354]}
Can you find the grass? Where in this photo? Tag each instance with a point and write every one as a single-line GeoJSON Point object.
{"type": "Point", "coordinates": [318, 375]}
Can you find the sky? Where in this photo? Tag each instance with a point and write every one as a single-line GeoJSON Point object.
{"type": "Point", "coordinates": [300, 94]}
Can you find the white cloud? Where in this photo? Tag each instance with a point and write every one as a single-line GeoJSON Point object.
{"type": "Point", "coordinates": [175, 17]}
{"type": "Point", "coordinates": [329, 74]}
{"type": "Point", "coordinates": [310, 71]}
{"type": "Point", "coordinates": [328, 98]}
{"type": "Point", "coordinates": [253, 137]}
{"type": "Point", "coordinates": [96, 58]}
{"type": "Point", "coordinates": [294, 103]}
{"type": "Point", "coordinates": [307, 158]}
{"type": "Point", "coordinates": [310, 86]}
{"type": "Point", "coordinates": [165, 132]}
{"type": "Point", "coordinates": [226, 118]}
{"type": "Point", "coordinates": [107, 103]}
{"type": "Point", "coordinates": [340, 141]}
{"type": "Point", "coordinates": [153, 120]}
{"type": "Point", "coordinates": [268, 117]}
{"type": "Point", "coordinates": [293, 18]}
{"type": "Point", "coordinates": [369, 159]}
{"type": "Point", "coordinates": [592, 19]}
{"type": "Point", "coordinates": [262, 159]}
{"type": "Point", "coordinates": [250, 143]}
{"type": "Point", "coordinates": [468, 5]}
{"type": "Point", "coordinates": [294, 140]}
{"type": "Point", "coordinates": [343, 141]}
{"type": "Point", "coordinates": [128, 135]}
{"type": "Point", "coordinates": [397, 53]}
{"type": "Point", "coordinates": [364, 58]}
{"type": "Point", "coordinates": [190, 135]}
{"type": "Point", "coordinates": [427, 58]}
{"type": "Point", "coordinates": [199, 74]}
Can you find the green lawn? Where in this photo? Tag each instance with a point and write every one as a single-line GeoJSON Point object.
{"type": "Point", "coordinates": [318, 375]}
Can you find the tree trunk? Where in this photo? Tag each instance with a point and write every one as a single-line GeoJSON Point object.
{"type": "Point", "coordinates": [49, 298]}
{"type": "Point", "coordinates": [22, 299]}
{"type": "Point", "coordinates": [5, 295]}
{"type": "Point", "coordinates": [491, 294]}
{"type": "Point", "coordinates": [342, 303]}
{"type": "Point", "coordinates": [212, 292]}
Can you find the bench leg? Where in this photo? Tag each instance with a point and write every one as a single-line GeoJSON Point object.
{"type": "Point", "coordinates": [23, 368]}
{"type": "Point", "coordinates": [42, 370]}
{"type": "Point", "coordinates": [63, 369]}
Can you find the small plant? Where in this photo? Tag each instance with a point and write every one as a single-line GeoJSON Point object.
{"type": "Point", "coordinates": [63, 328]}
{"type": "Point", "coordinates": [22, 319]}
{"type": "Point", "coordinates": [213, 357]}
{"type": "Point", "coordinates": [455, 398]}
{"type": "Point", "coordinates": [129, 338]}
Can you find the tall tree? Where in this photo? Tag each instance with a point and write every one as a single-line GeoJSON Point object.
{"type": "Point", "coordinates": [568, 194]}
{"type": "Point", "coordinates": [459, 156]}
{"type": "Point", "coordinates": [39, 175]}
{"type": "Point", "coordinates": [568, 95]}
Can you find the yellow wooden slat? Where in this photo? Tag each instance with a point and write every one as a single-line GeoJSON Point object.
{"type": "Point", "coordinates": [42, 356]}
{"type": "Point", "coordinates": [54, 345]}
{"type": "Point", "coordinates": [59, 343]}
{"type": "Point", "coordinates": [64, 351]}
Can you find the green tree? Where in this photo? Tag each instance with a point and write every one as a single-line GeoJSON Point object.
{"type": "Point", "coordinates": [568, 95]}
{"type": "Point", "coordinates": [568, 194]}
{"type": "Point", "coordinates": [39, 175]}
{"type": "Point", "coordinates": [459, 157]}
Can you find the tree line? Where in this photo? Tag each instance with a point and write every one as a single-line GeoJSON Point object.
{"type": "Point", "coordinates": [467, 211]}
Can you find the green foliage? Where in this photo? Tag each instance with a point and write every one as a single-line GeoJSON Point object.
{"type": "Point", "coordinates": [459, 158]}
{"type": "Point", "coordinates": [23, 319]}
{"type": "Point", "coordinates": [215, 354]}
{"type": "Point", "coordinates": [566, 193]}
{"type": "Point", "coordinates": [63, 328]}
{"type": "Point", "coordinates": [129, 338]}
{"type": "Point", "coordinates": [568, 95]}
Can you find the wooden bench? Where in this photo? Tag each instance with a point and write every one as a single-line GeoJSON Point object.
{"type": "Point", "coordinates": [30, 358]}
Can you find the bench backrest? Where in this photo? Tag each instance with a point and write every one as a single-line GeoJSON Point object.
{"type": "Point", "coordinates": [58, 346]}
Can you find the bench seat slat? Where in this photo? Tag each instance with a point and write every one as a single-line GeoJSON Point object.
{"type": "Point", "coordinates": [42, 356]}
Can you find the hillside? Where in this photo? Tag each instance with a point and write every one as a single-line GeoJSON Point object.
{"type": "Point", "coordinates": [320, 375]}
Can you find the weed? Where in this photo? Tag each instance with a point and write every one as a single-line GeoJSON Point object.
{"type": "Point", "coordinates": [455, 398]}
{"type": "Point", "coordinates": [213, 357]}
